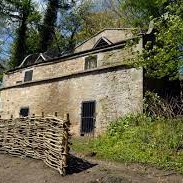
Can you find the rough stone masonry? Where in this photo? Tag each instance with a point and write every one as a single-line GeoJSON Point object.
{"type": "Point", "coordinates": [68, 85]}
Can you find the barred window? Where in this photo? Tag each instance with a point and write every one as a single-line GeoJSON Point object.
{"type": "Point", "coordinates": [24, 111]}
{"type": "Point", "coordinates": [91, 62]}
{"type": "Point", "coordinates": [28, 75]}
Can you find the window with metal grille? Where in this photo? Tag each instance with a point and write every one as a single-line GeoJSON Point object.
{"type": "Point", "coordinates": [28, 75]}
{"type": "Point", "coordinates": [24, 111]}
{"type": "Point", "coordinates": [91, 62]}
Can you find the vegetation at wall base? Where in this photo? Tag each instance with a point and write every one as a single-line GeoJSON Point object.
{"type": "Point", "coordinates": [139, 139]}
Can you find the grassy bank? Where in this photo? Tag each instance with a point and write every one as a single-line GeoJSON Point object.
{"type": "Point", "coordinates": [139, 139]}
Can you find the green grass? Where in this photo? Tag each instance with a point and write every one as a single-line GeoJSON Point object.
{"type": "Point", "coordinates": [139, 139]}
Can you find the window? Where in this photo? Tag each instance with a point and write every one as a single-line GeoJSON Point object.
{"type": "Point", "coordinates": [90, 62]}
{"type": "Point", "coordinates": [28, 75]}
{"type": "Point", "coordinates": [102, 42]}
{"type": "Point", "coordinates": [24, 111]}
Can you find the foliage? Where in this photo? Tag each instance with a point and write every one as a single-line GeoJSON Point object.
{"type": "Point", "coordinates": [142, 139]}
{"type": "Point", "coordinates": [32, 41]}
{"type": "Point", "coordinates": [64, 25]}
{"type": "Point", "coordinates": [162, 57]}
{"type": "Point", "coordinates": [95, 22]}
{"type": "Point", "coordinates": [59, 26]}
{"type": "Point", "coordinates": [47, 30]}
{"type": "Point", "coordinates": [70, 23]}
{"type": "Point", "coordinates": [81, 22]}
{"type": "Point", "coordinates": [138, 13]}
{"type": "Point", "coordinates": [20, 14]}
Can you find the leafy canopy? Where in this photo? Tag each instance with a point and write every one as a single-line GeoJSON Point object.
{"type": "Point", "coordinates": [166, 56]}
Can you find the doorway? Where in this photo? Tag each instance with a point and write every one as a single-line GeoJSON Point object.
{"type": "Point", "coordinates": [88, 118]}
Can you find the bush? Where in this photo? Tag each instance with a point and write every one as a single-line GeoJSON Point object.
{"type": "Point", "coordinates": [168, 107]}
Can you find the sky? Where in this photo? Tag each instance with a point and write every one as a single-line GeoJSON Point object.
{"type": "Point", "coordinates": [40, 2]}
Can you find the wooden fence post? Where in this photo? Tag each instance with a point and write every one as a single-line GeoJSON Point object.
{"type": "Point", "coordinates": [66, 143]}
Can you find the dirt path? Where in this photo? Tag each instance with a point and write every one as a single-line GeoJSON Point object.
{"type": "Point", "coordinates": [17, 170]}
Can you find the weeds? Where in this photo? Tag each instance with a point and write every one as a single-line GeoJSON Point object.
{"type": "Point", "coordinates": [155, 137]}
{"type": "Point", "coordinates": [140, 138]}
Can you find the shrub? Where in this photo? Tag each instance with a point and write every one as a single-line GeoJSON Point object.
{"type": "Point", "coordinates": [168, 107]}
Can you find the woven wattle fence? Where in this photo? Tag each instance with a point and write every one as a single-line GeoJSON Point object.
{"type": "Point", "coordinates": [37, 137]}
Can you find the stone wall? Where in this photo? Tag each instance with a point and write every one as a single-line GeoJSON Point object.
{"type": "Point", "coordinates": [45, 71]}
{"type": "Point", "coordinates": [62, 67]}
{"type": "Point", "coordinates": [116, 90]}
{"type": "Point", "coordinates": [61, 85]}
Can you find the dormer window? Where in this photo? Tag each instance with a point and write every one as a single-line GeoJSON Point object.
{"type": "Point", "coordinates": [28, 75]}
{"type": "Point", "coordinates": [102, 42]}
{"type": "Point", "coordinates": [91, 62]}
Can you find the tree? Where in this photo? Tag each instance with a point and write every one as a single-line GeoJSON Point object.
{"type": "Point", "coordinates": [21, 14]}
{"type": "Point", "coordinates": [138, 13]}
{"type": "Point", "coordinates": [48, 28]}
{"type": "Point", "coordinates": [88, 19]}
{"type": "Point", "coordinates": [96, 21]}
{"type": "Point", "coordinates": [70, 23]}
{"type": "Point", "coordinates": [65, 23]}
{"type": "Point", "coordinates": [165, 59]}
{"type": "Point", "coordinates": [79, 22]}
{"type": "Point", "coordinates": [20, 42]}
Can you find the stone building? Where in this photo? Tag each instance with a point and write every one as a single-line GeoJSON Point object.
{"type": "Point", "coordinates": [95, 84]}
